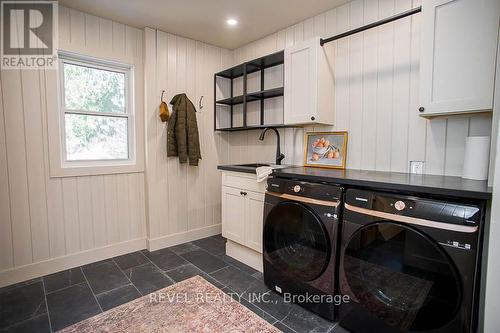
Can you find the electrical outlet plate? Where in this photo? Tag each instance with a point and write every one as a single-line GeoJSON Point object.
{"type": "Point", "coordinates": [417, 167]}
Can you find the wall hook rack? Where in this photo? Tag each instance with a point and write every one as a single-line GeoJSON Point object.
{"type": "Point", "coordinates": [200, 103]}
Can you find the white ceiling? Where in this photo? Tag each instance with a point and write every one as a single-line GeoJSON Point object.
{"type": "Point", "coordinates": [205, 20]}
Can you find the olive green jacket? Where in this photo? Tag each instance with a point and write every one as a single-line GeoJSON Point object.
{"type": "Point", "coordinates": [182, 131]}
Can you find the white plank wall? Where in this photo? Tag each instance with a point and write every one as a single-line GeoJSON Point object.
{"type": "Point", "coordinates": [376, 95]}
{"type": "Point", "coordinates": [183, 201]}
{"type": "Point", "coordinates": [43, 218]}
{"type": "Point", "coordinates": [49, 224]}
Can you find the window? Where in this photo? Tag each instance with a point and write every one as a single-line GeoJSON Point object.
{"type": "Point", "coordinates": [96, 112]}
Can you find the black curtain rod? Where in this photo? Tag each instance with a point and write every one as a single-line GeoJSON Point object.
{"type": "Point", "coordinates": [371, 25]}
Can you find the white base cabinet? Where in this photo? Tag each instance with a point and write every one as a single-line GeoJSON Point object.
{"type": "Point", "coordinates": [245, 255]}
{"type": "Point", "coordinates": [242, 214]}
{"type": "Point", "coordinates": [233, 214]}
{"type": "Point", "coordinates": [254, 211]}
{"type": "Point", "coordinates": [458, 52]}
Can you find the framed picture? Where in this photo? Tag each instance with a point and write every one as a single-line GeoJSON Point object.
{"type": "Point", "coordinates": [325, 149]}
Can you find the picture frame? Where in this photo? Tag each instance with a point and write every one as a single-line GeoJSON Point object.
{"type": "Point", "coordinates": [325, 149]}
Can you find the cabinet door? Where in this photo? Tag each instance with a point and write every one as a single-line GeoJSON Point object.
{"type": "Point", "coordinates": [254, 220]}
{"type": "Point", "coordinates": [458, 50]}
{"type": "Point", "coordinates": [301, 83]}
{"type": "Point", "coordinates": [233, 214]}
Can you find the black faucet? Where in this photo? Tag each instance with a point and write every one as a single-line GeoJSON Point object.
{"type": "Point", "coordinates": [279, 155]}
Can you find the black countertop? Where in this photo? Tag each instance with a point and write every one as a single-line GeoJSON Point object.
{"type": "Point", "coordinates": [236, 168]}
{"type": "Point", "coordinates": [424, 184]}
{"type": "Point", "coordinates": [248, 169]}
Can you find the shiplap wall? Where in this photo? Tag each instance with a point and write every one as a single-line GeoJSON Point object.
{"type": "Point", "coordinates": [184, 202]}
{"type": "Point", "coordinates": [376, 95]}
{"type": "Point", "coordinates": [43, 218]}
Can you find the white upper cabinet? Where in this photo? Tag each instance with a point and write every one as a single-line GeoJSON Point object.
{"type": "Point", "coordinates": [309, 84]}
{"type": "Point", "coordinates": [458, 52]}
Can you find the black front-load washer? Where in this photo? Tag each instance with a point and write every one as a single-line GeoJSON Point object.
{"type": "Point", "coordinates": [409, 264]}
{"type": "Point", "coordinates": [300, 231]}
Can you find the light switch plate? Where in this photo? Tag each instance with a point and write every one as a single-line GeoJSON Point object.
{"type": "Point", "coordinates": [417, 167]}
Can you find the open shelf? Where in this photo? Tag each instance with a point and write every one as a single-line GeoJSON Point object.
{"type": "Point", "coordinates": [231, 101]}
{"type": "Point", "coordinates": [232, 73]}
{"type": "Point", "coordinates": [228, 77]}
{"type": "Point", "coordinates": [270, 60]}
{"type": "Point", "coordinates": [253, 66]}
{"type": "Point", "coordinates": [254, 96]}
{"type": "Point", "coordinates": [264, 94]}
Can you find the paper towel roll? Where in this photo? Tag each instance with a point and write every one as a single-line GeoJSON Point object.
{"type": "Point", "coordinates": [476, 158]}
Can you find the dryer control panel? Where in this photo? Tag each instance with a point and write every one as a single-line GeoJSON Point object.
{"type": "Point", "coordinates": [423, 208]}
{"type": "Point", "coordinates": [305, 189]}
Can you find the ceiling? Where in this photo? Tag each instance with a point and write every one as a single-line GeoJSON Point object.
{"type": "Point", "coordinates": [205, 20]}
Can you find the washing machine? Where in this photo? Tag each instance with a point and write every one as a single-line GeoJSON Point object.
{"type": "Point", "coordinates": [301, 223]}
{"type": "Point", "coordinates": [409, 264]}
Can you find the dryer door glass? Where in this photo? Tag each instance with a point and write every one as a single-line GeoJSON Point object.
{"type": "Point", "coordinates": [296, 241]}
{"type": "Point", "coordinates": [401, 277]}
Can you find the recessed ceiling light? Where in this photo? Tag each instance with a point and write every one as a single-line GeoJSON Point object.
{"type": "Point", "coordinates": [232, 22]}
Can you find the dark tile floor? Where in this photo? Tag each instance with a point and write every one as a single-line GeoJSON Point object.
{"type": "Point", "coordinates": [55, 301]}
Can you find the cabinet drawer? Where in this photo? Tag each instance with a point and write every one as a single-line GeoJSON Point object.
{"type": "Point", "coordinates": [243, 181]}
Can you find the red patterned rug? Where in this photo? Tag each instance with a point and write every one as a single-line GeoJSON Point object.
{"type": "Point", "coordinates": [193, 305]}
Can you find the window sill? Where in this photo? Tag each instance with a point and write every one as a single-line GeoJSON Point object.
{"type": "Point", "coordinates": [60, 172]}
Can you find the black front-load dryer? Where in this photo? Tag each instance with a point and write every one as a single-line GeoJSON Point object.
{"type": "Point", "coordinates": [300, 231]}
{"type": "Point", "coordinates": [409, 264]}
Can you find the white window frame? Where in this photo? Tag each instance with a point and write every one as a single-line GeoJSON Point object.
{"type": "Point", "coordinates": [78, 167]}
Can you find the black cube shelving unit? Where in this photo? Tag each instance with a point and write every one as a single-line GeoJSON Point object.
{"type": "Point", "coordinates": [243, 70]}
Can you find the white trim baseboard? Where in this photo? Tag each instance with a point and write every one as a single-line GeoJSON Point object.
{"type": "Point", "coordinates": [54, 265]}
{"type": "Point", "coordinates": [42, 268]}
{"type": "Point", "coordinates": [183, 237]}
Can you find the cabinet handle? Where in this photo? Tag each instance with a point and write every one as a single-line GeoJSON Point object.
{"type": "Point", "coordinates": [421, 109]}
{"type": "Point", "coordinates": [312, 118]}
{"type": "Point", "coordinates": [243, 193]}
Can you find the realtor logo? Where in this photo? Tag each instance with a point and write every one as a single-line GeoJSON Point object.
{"type": "Point", "coordinates": [29, 34]}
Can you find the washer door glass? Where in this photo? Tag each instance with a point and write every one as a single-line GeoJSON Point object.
{"type": "Point", "coordinates": [296, 241]}
{"type": "Point", "coordinates": [401, 277]}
